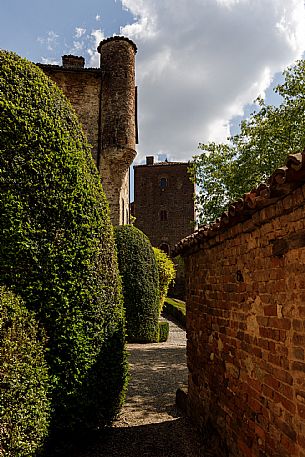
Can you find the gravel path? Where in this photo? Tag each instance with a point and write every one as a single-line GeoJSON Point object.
{"type": "Point", "coordinates": [149, 424]}
{"type": "Point", "coordinates": [157, 370]}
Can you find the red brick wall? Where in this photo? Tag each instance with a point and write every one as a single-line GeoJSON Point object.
{"type": "Point", "coordinates": [246, 332]}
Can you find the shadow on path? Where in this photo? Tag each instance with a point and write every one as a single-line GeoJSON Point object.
{"type": "Point", "coordinates": [173, 438]}
{"type": "Point", "coordinates": [149, 424]}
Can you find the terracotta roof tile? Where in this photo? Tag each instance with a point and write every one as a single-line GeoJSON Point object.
{"type": "Point", "coordinates": [282, 181]}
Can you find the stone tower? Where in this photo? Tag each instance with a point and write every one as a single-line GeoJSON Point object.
{"type": "Point", "coordinates": [105, 101]}
{"type": "Point", "coordinates": [118, 122]}
{"type": "Point", "coordinates": [163, 202]}
{"type": "Point", "coordinates": [164, 208]}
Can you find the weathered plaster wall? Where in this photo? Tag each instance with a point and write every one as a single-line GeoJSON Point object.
{"type": "Point", "coordinates": [246, 332]}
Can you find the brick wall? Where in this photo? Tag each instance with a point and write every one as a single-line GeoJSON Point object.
{"type": "Point", "coordinates": [246, 331]}
{"type": "Point", "coordinates": [174, 199]}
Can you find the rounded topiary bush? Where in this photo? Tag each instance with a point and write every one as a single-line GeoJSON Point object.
{"type": "Point", "coordinates": [24, 382]}
{"type": "Point", "coordinates": [167, 274]}
{"type": "Point", "coordinates": [138, 268]}
{"type": "Point", "coordinates": [57, 244]}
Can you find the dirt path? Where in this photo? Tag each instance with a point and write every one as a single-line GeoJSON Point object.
{"type": "Point", "coordinates": [149, 424]}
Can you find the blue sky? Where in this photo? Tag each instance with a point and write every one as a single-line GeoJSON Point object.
{"type": "Point", "coordinates": [25, 25]}
{"type": "Point", "coordinates": [200, 63]}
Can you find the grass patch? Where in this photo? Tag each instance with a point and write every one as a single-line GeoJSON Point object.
{"type": "Point", "coordinates": [176, 309]}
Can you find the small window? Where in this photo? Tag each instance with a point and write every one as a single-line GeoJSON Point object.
{"type": "Point", "coordinates": [163, 183]}
{"type": "Point", "coordinates": [165, 248]}
{"type": "Point", "coordinates": [163, 215]}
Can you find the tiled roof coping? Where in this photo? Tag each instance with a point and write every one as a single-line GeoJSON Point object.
{"type": "Point", "coordinates": [283, 181]}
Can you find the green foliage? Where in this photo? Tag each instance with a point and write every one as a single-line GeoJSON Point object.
{"type": "Point", "coordinates": [138, 268]}
{"type": "Point", "coordinates": [132, 219]}
{"type": "Point", "coordinates": [223, 172]}
{"type": "Point", "coordinates": [167, 274]}
{"type": "Point", "coordinates": [176, 309]}
{"type": "Point", "coordinates": [163, 331]}
{"type": "Point", "coordinates": [57, 244]}
{"type": "Point", "coordinates": [24, 381]}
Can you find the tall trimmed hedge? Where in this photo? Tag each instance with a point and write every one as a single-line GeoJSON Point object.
{"type": "Point", "coordinates": [57, 244]}
{"type": "Point", "coordinates": [138, 268]}
{"type": "Point", "coordinates": [167, 274]}
{"type": "Point", "coordinates": [24, 381]}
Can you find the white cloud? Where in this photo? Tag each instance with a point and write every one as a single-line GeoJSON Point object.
{"type": "Point", "coordinates": [77, 47]}
{"type": "Point", "coordinates": [50, 40]}
{"type": "Point", "coordinates": [228, 3]}
{"type": "Point", "coordinates": [96, 37]}
{"type": "Point", "coordinates": [79, 32]}
{"type": "Point", "coordinates": [79, 43]}
{"type": "Point", "coordinates": [200, 62]}
{"type": "Point", "coordinates": [47, 61]}
{"type": "Point", "coordinates": [84, 42]}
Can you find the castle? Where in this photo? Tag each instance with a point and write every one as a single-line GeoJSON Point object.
{"type": "Point", "coordinates": [164, 207]}
{"type": "Point", "coordinates": [105, 101]}
{"type": "Point", "coordinates": [163, 202]}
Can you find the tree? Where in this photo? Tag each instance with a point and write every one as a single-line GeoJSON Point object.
{"type": "Point", "coordinates": [223, 172]}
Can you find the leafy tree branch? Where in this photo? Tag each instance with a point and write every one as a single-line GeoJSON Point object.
{"type": "Point", "coordinates": [224, 172]}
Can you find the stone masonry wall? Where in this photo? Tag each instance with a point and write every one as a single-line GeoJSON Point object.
{"type": "Point", "coordinates": [105, 102]}
{"type": "Point", "coordinates": [175, 199]}
{"type": "Point", "coordinates": [82, 87]}
{"type": "Point", "coordinates": [118, 122]}
{"type": "Point", "coordinates": [246, 332]}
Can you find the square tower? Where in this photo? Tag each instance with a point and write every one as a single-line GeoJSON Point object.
{"type": "Point", "coordinates": [164, 202]}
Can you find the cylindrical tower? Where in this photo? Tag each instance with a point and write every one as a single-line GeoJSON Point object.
{"type": "Point", "coordinates": [117, 122]}
{"type": "Point", "coordinates": [118, 97]}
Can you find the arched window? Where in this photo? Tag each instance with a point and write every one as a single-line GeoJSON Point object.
{"type": "Point", "coordinates": [163, 183]}
{"type": "Point", "coordinates": [165, 248]}
{"type": "Point", "coordinates": [163, 215]}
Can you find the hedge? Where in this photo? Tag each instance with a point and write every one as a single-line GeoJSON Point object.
{"type": "Point", "coordinates": [176, 309]}
{"type": "Point", "coordinates": [167, 274]}
{"type": "Point", "coordinates": [24, 381]}
{"type": "Point", "coordinates": [163, 331]}
{"type": "Point", "coordinates": [138, 268]}
{"type": "Point", "coordinates": [57, 243]}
